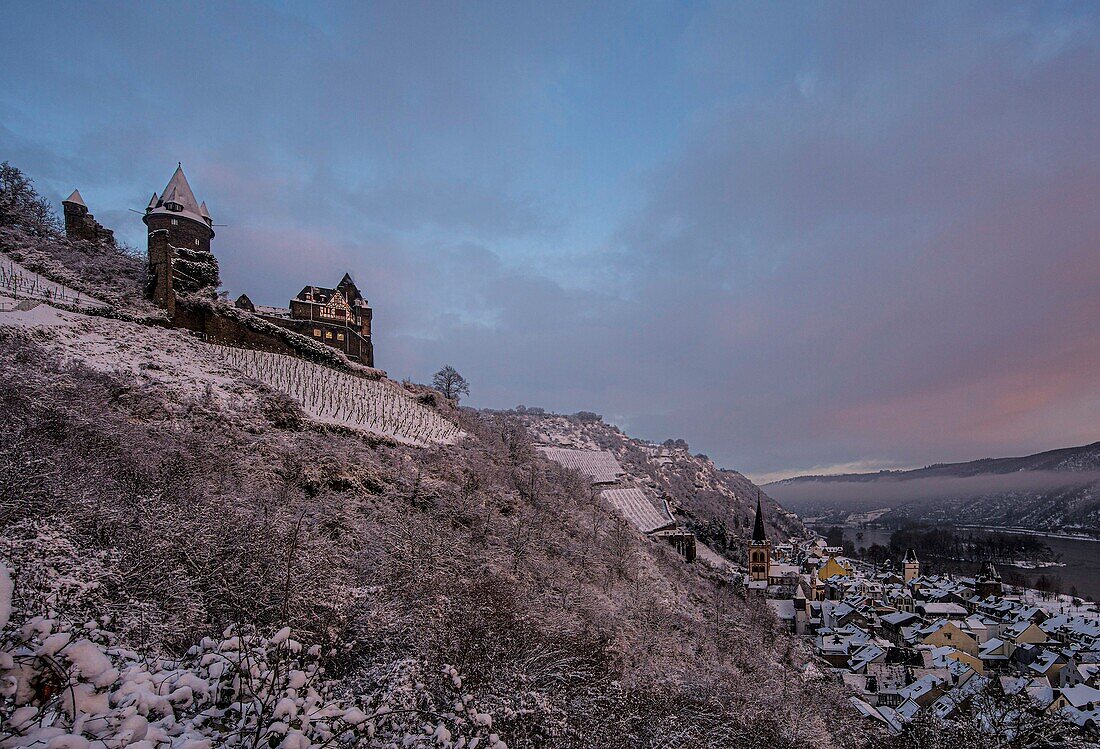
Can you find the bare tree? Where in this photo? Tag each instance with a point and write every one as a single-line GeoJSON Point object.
{"type": "Point", "coordinates": [21, 205]}
{"type": "Point", "coordinates": [449, 382]}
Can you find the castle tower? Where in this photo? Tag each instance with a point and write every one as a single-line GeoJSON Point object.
{"type": "Point", "coordinates": [80, 224]}
{"type": "Point", "coordinates": [988, 582]}
{"type": "Point", "coordinates": [180, 231]}
{"type": "Point", "coordinates": [75, 210]}
{"type": "Point", "coordinates": [910, 566]}
{"type": "Point", "coordinates": [760, 549]}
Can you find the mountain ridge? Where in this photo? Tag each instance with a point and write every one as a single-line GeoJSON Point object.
{"type": "Point", "coordinates": [1047, 460]}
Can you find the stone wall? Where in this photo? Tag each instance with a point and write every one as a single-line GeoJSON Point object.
{"type": "Point", "coordinates": [225, 330]}
{"type": "Point", "coordinates": [230, 326]}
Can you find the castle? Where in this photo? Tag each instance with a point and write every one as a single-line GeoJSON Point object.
{"type": "Point", "coordinates": [338, 317]}
{"type": "Point", "coordinates": [181, 262]}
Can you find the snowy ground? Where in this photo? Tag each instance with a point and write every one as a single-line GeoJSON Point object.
{"type": "Point", "coordinates": [16, 282]}
{"type": "Point", "coordinates": [185, 368]}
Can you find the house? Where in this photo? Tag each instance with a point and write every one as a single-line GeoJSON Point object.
{"type": "Point", "coordinates": [1024, 632]}
{"type": "Point", "coordinates": [945, 632]}
{"type": "Point", "coordinates": [338, 317]}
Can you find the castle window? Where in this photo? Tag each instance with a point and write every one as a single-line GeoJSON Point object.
{"type": "Point", "coordinates": [175, 222]}
{"type": "Point", "coordinates": [339, 336]}
{"type": "Point", "coordinates": [316, 332]}
{"type": "Point", "coordinates": [196, 242]}
{"type": "Point", "coordinates": [328, 334]}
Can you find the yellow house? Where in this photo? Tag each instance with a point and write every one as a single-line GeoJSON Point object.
{"type": "Point", "coordinates": [831, 568]}
{"type": "Point", "coordinates": [1031, 634]}
{"type": "Point", "coordinates": [949, 634]}
{"type": "Point", "coordinates": [971, 660]}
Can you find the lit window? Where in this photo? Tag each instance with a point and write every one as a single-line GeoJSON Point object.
{"type": "Point", "coordinates": [316, 332]}
{"type": "Point", "coordinates": [339, 336]}
{"type": "Point", "coordinates": [175, 222]}
{"type": "Point", "coordinates": [196, 242]}
{"type": "Point", "coordinates": [328, 334]}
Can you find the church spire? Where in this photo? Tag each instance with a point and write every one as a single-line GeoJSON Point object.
{"type": "Point", "coordinates": [758, 534]}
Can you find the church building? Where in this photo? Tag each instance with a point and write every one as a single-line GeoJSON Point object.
{"type": "Point", "coordinates": [760, 550]}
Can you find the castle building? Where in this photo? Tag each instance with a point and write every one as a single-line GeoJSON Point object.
{"type": "Point", "coordinates": [339, 317]}
{"type": "Point", "coordinates": [910, 566]}
{"type": "Point", "coordinates": [180, 231]}
{"type": "Point", "coordinates": [760, 549]}
{"type": "Point", "coordinates": [80, 224]}
{"type": "Point", "coordinates": [181, 262]}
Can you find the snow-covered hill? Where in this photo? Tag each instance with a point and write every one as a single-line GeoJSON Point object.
{"type": "Point", "coordinates": [173, 510]}
{"type": "Point", "coordinates": [184, 368]}
{"type": "Point", "coordinates": [718, 505]}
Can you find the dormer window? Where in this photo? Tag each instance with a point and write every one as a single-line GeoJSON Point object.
{"type": "Point", "coordinates": [174, 206]}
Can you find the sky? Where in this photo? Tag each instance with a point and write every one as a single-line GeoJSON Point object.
{"type": "Point", "coordinates": [805, 237]}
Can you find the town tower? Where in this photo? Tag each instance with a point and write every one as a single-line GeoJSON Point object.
{"type": "Point", "coordinates": [180, 231]}
{"type": "Point", "coordinates": [760, 550]}
{"type": "Point", "coordinates": [910, 566]}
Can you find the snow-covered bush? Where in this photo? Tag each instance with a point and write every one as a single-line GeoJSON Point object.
{"type": "Point", "coordinates": [76, 686]}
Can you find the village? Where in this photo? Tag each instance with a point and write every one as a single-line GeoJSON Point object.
{"type": "Point", "coordinates": [904, 642]}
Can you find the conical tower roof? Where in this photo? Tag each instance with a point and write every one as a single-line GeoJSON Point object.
{"type": "Point", "coordinates": [178, 194]}
{"type": "Point", "coordinates": [758, 534]}
{"type": "Point", "coordinates": [75, 198]}
{"type": "Point", "coordinates": [179, 191]}
{"type": "Point", "coordinates": [152, 203]}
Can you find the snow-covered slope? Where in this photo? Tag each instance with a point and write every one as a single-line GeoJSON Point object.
{"type": "Point", "coordinates": [16, 282]}
{"type": "Point", "coordinates": [186, 368]}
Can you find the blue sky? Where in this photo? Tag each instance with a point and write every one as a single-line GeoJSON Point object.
{"type": "Point", "coordinates": [800, 236]}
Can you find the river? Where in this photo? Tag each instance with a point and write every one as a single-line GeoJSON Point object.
{"type": "Point", "coordinates": [1081, 557]}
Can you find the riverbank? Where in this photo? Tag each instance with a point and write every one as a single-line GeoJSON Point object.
{"type": "Point", "coordinates": [1077, 556]}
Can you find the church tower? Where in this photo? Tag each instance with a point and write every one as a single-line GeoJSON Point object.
{"type": "Point", "coordinates": [910, 566]}
{"type": "Point", "coordinates": [180, 231]}
{"type": "Point", "coordinates": [988, 582]}
{"type": "Point", "coordinates": [760, 550]}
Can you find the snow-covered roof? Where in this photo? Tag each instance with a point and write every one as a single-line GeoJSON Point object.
{"type": "Point", "coordinates": [178, 192]}
{"type": "Point", "coordinates": [1081, 695]}
{"type": "Point", "coordinates": [635, 506]}
{"type": "Point", "coordinates": [783, 608]}
{"type": "Point", "coordinates": [599, 465]}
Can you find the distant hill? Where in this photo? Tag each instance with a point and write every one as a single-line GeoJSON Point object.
{"type": "Point", "coordinates": [1056, 490]}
